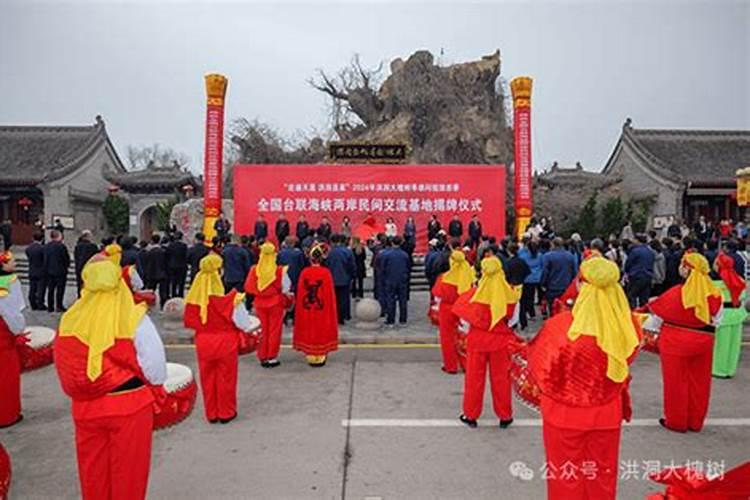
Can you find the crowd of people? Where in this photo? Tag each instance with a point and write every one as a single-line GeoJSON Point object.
{"type": "Point", "coordinates": [602, 300]}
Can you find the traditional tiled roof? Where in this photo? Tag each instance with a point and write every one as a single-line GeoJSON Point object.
{"type": "Point", "coordinates": [30, 155]}
{"type": "Point", "coordinates": [154, 178]}
{"type": "Point", "coordinates": [694, 156]}
{"type": "Point", "coordinates": [576, 176]}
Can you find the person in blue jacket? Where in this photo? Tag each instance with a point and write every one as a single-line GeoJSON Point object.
{"type": "Point", "coordinates": [340, 262]}
{"type": "Point", "coordinates": [293, 258]}
{"type": "Point", "coordinates": [558, 270]}
{"type": "Point", "coordinates": [396, 267]}
{"type": "Point", "coordinates": [532, 256]}
{"type": "Point", "coordinates": [639, 271]}
{"type": "Point", "coordinates": [236, 265]}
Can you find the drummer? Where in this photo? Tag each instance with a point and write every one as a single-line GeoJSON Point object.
{"type": "Point", "coordinates": [106, 353]}
{"type": "Point", "coordinates": [12, 324]}
{"type": "Point", "coordinates": [217, 320]}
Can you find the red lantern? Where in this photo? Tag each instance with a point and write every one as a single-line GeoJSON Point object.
{"type": "Point", "coordinates": [25, 203]}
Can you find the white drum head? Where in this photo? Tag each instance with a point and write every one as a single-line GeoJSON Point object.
{"type": "Point", "coordinates": [254, 323]}
{"type": "Point", "coordinates": [40, 336]}
{"type": "Point", "coordinates": [178, 376]}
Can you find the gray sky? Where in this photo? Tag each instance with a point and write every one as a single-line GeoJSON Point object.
{"type": "Point", "coordinates": [140, 64]}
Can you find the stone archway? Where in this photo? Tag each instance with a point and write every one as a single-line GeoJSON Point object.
{"type": "Point", "coordinates": [147, 223]}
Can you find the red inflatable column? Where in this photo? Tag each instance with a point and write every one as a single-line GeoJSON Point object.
{"type": "Point", "coordinates": [216, 89]}
{"type": "Point", "coordinates": [523, 170]}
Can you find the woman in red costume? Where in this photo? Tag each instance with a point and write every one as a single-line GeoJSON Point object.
{"type": "Point", "coordinates": [270, 285]}
{"type": "Point", "coordinates": [12, 324]}
{"type": "Point", "coordinates": [107, 352]}
{"type": "Point", "coordinates": [449, 285]}
{"type": "Point", "coordinates": [316, 329]}
{"type": "Point", "coordinates": [580, 361]}
{"type": "Point", "coordinates": [685, 318]}
{"type": "Point", "coordinates": [217, 320]}
{"type": "Point", "coordinates": [487, 311]}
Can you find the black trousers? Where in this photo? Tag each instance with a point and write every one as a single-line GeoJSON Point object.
{"type": "Point", "coordinates": [162, 286]}
{"type": "Point", "coordinates": [55, 292]}
{"type": "Point", "coordinates": [527, 303]}
{"type": "Point", "coordinates": [396, 292]}
{"type": "Point", "coordinates": [639, 290]}
{"type": "Point", "coordinates": [177, 282]}
{"type": "Point", "coordinates": [36, 293]}
{"type": "Point", "coordinates": [358, 287]}
{"type": "Point", "coordinates": [343, 304]}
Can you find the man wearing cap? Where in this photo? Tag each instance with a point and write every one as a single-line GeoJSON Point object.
{"type": "Point", "coordinates": [217, 320]}
{"type": "Point", "coordinates": [270, 285]}
{"type": "Point", "coordinates": [12, 324]}
{"type": "Point", "coordinates": [487, 313]}
{"type": "Point", "coordinates": [107, 352]}
{"type": "Point", "coordinates": [685, 318]}
{"type": "Point", "coordinates": [449, 286]}
{"type": "Point", "coordinates": [580, 362]}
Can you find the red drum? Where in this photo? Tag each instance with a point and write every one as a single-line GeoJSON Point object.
{"type": "Point", "coordinates": [35, 347]}
{"type": "Point", "coordinates": [176, 399]}
{"type": "Point", "coordinates": [146, 296]}
{"type": "Point", "coordinates": [461, 341]}
{"type": "Point", "coordinates": [433, 313]}
{"type": "Point", "coordinates": [524, 387]}
{"type": "Point", "coordinates": [5, 473]}
{"type": "Point", "coordinates": [249, 340]}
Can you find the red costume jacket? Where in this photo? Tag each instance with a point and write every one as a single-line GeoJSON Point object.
{"type": "Point", "coordinates": [481, 337]}
{"type": "Point", "coordinates": [269, 297]}
{"type": "Point", "coordinates": [219, 336]}
{"type": "Point", "coordinates": [316, 329]}
{"type": "Point", "coordinates": [447, 293]}
{"type": "Point", "coordinates": [119, 365]}
{"type": "Point", "coordinates": [572, 376]}
{"type": "Point", "coordinates": [668, 306]}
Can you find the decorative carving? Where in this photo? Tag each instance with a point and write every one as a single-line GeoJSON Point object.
{"type": "Point", "coordinates": [216, 88]}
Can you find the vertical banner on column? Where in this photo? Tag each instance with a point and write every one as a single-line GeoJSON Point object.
{"type": "Point", "coordinates": [216, 88]}
{"type": "Point", "coordinates": [523, 172]}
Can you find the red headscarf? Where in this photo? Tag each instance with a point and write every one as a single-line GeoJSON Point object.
{"type": "Point", "coordinates": [735, 284]}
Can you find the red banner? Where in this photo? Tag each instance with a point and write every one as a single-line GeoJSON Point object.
{"type": "Point", "coordinates": [522, 153]}
{"type": "Point", "coordinates": [213, 160]}
{"type": "Point", "coordinates": [396, 191]}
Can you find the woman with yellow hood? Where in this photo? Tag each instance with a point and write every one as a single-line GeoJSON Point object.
{"type": "Point", "coordinates": [270, 286]}
{"type": "Point", "coordinates": [685, 318]}
{"type": "Point", "coordinates": [107, 353]}
{"type": "Point", "coordinates": [580, 363]}
{"type": "Point", "coordinates": [217, 320]}
{"type": "Point", "coordinates": [457, 280]}
{"type": "Point", "coordinates": [487, 312]}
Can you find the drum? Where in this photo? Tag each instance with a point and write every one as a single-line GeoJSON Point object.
{"type": "Point", "coordinates": [37, 351]}
{"type": "Point", "coordinates": [525, 389]}
{"type": "Point", "coordinates": [434, 313]}
{"type": "Point", "coordinates": [249, 340]}
{"type": "Point", "coordinates": [146, 296]}
{"type": "Point", "coordinates": [175, 401]}
{"type": "Point", "coordinates": [461, 342]}
{"type": "Point", "coordinates": [5, 473]}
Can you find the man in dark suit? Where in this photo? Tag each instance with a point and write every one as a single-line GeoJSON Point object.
{"type": "Point", "coordinates": [324, 230]}
{"type": "Point", "coordinates": [84, 250]}
{"type": "Point", "coordinates": [396, 266]}
{"type": "Point", "coordinates": [340, 262]}
{"type": "Point", "coordinates": [56, 264]}
{"type": "Point", "coordinates": [177, 264]}
{"type": "Point", "coordinates": [433, 227]}
{"type": "Point", "coordinates": [455, 228]}
{"type": "Point", "coordinates": [35, 256]}
{"type": "Point", "coordinates": [196, 253]}
{"type": "Point", "coordinates": [303, 228]}
{"type": "Point", "coordinates": [282, 229]}
{"type": "Point", "coordinates": [154, 263]}
{"type": "Point", "coordinates": [261, 229]}
{"type": "Point", "coordinates": [236, 265]}
{"type": "Point", "coordinates": [129, 251]}
{"type": "Point", "coordinates": [475, 231]}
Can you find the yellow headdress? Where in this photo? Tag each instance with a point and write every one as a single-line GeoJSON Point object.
{"type": "Point", "coordinates": [698, 287]}
{"type": "Point", "coordinates": [113, 252]}
{"type": "Point", "coordinates": [460, 274]}
{"type": "Point", "coordinates": [205, 284]}
{"type": "Point", "coordinates": [494, 291]}
{"type": "Point", "coordinates": [602, 311]}
{"type": "Point", "coordinates": [266, 268]}
{"type": "Point", "coordinates": [105, 312]}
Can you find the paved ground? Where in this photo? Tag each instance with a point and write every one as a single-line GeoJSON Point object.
{"type": "Point", "coordinates": [291, 440]}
